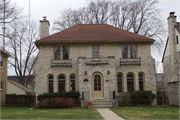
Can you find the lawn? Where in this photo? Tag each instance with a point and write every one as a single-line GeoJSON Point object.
{"type": "Point", "coordinates": [26, 113]}
{"type": "Point", "coordinates": [147, 112]}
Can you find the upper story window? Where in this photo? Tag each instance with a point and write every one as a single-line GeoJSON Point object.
{"type": "Point", "coordinates": [133, 51]}
{"type": "Point", "coordinates": [129, 51]}
{"type": "Point", "coordinates": [95, 52]}
{"type": "Point", "coordinates": [1, 61]}
{"type": "Point", "coordinates": [125, 51]}
{"type": "Point", "coordinates": [177, 40]}
{"type": "Point", "coordinates": [61, 52]}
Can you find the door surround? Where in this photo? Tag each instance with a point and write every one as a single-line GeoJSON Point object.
{"type": "Point", "coordinates": [97, 94]}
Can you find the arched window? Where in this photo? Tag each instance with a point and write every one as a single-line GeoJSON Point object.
{"type": "Point", "coordinates": [72, 83]}
{"type": "Point", "coordinates": [50, 80]}
{"type": "Point", "coordinates": [141, 78]}
{"type": "Point", "coordinates": [61, 83]}
{"type": "Point", "coordinates": [119, 82]}
{"type": "Point", "coordinates": [130, 82]}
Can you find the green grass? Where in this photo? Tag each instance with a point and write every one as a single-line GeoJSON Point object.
{"type": "Point", "coordinates": [26, 113]}
{"type": "Point", "coordinates": [147, 113]}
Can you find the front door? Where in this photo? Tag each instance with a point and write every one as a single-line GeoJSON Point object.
{"type": "Point", "coordinates": [97, 86]}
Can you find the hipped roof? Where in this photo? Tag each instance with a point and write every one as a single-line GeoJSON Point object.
{"type": "Point", "coordinates": [94, 33]}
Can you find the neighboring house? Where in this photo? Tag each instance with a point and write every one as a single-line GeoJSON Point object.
{"type": "Point", "coordinates": [3, 75]}
{"type": "Point", "coordinates": [171, 60]}
{"type": "Point", "coordinates": [160, 81]}
{"type": "Point", "coordinates": [31, 83]}
{"type": "Point", "coordinates": [95, 59]}
{"type": "Point", "coordinates": [18, 89]}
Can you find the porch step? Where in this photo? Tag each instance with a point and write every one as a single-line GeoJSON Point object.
{"type": "Point", "coordinates": [101, 104]}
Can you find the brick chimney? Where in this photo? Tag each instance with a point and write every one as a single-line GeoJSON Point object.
{"type": "Point", "coordinates": [44, 27]}
{"type": "Point", "coordinates": [171, 20]}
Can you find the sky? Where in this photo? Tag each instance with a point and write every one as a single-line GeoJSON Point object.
{"type": "Point", "coordinates": [51, 9]}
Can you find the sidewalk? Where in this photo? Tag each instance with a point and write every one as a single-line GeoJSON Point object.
{"type": "Point", "coordinates": [108, 114]}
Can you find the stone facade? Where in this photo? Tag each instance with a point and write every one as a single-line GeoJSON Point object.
{"type": "Point", "coordinates": [3, 77]}
{"type": "Point", "coordinates": [171, 62]}
{"type": "Point", "coordinates": [81, 55]}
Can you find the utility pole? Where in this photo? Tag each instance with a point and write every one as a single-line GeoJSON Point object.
{"type": "Point", "coordinates": [4, 27]}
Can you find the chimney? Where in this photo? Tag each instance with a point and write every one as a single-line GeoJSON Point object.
{"type": "Point", "coordinates": [44, 27]}
{"type": "Point", "coordinates": [171, 21]}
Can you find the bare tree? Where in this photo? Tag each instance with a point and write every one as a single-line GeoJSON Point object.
{"type": "Point", "coordinates": [12, 12]}
{"type": "Point", "coordinates": [22, 49]}
{"type": "Point", "coordinates": [137, 16]}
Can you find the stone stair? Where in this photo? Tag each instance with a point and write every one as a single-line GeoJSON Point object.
{"type": "Point", "coordinates": [101, 104]}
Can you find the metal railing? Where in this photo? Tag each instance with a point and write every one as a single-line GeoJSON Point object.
{"type": "Point", "coordinates": [130, 61]}
{"type": "Point", "coordinates": [61, 62]}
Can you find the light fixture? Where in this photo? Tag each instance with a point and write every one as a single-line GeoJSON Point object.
{"type": "Point", "coordinates": [85, 73]}
{"type": "Point", "coordinates": [108, 72]}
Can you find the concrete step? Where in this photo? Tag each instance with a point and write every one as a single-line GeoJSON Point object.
{"type": "Point", "coordinates": [101, 106]}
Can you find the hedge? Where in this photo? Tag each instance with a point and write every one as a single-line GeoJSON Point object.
{"type": "Point", "coordinates": [142, 97]}
{"type": "Point", "coordinates": [70, 94]}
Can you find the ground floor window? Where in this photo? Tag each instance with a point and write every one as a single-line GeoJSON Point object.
{"type": "Point", "coordinates": [130, 82]}
{"type": "Point", "coordinates": [141, 78]}
{"type": "Point", "coordinates": [50, 84]}
{"type": "Point", "coordinates": [61, 83]}
{"type": "Point", "coordinates": [72, 83]}
{"type": "Point", "coordinates": [119, 82]}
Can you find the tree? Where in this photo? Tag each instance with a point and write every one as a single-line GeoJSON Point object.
{"type": "Point", "coordinates": [140, 17]}
{"type": "Point", "coordinates": [12, 13]}
{"type": "Point", "coordinates": [22, 49]}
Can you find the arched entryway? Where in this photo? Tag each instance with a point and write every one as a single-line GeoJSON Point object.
{"type": "Point", "coordinates": [97, 86]}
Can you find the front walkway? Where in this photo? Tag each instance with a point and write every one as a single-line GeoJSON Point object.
{"type": "Point", "coordinates": [107, 114]}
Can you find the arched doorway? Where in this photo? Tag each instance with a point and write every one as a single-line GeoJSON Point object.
{"type": "Point", "coordinates": [97, 86]}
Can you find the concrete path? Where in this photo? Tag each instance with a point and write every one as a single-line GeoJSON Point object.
{"type": "Point", "coordinates": [107, 114]}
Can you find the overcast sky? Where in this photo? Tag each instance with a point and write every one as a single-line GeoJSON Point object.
{"type": "Point", "coordinates": [51, 9]}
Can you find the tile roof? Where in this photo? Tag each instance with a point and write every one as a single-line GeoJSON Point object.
{"type": "Point", "coordinates": [21, 87]}
{"type": "Point", "coordinates": [177, 26]}
{"type": "Point", "coordinates": [94, 33]}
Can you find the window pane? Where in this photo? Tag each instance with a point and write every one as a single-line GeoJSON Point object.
{"type": "Point", "coordinates": [57, 53]}
{"type": "Point", "coordinates": [65, 56]}
{"type": "Point", "coordinates": [133, 51]}
{"type": "Point", "coordinates": [50, 77]}
{"type": "Point", "coordinates": [130, 82]}
{"type": "Point", "coordinates": [141, 86]}
{"type": "Point", "coordinates": [73, 87]}
{"type": "Point", "coordinates": [72, 77]}
{"type": "Point", "coordinates": [125, 54]}
{"type": "Point", "coordinates": [65, 49]}
{"type": "Point", "coordinates": [1, 61]}
{"type": "Point", "coordinates": [61, 87]}
{"type": "Point", "coordinates": [61, 78]}
{"type": "Point", "coordinates": [124, 48]}
{"type": "Point", "coordinates": [119, 86]}
{"type": "Point", "coordinates": [95, 51]}
{"type": "Point", "coordinates": [99, 89]}
{"type": "Point", "coordinates": [51, 87]}
{"type": "Point", "coordinates": [95, 88]}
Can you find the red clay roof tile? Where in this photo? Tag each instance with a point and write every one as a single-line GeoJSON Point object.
{"type": "Point", "coordinates": [94, 33]}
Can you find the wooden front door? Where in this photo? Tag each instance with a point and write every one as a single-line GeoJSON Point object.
{"type": "Point", "coordinates": [97, 86]}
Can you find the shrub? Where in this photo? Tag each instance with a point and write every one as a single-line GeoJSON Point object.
{"type": "Point", "coordinates": [69, 94]}
{"type": "Point", "coordinates": [58, 102]}
{"type": "Point", "coordinates": [142, 97]}
{"type": "Point", "coordinates": [124, 99]}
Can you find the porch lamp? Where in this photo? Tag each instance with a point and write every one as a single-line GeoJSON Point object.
{"type": "Point", "coordinates": [108, 72]}
{"type": "Point", "coordinates": [85, 73]}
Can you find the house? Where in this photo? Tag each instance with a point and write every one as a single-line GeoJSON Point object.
{"type": "Point", "coordinates": [171, 60]}
{"type": "Point", "coordinates": [160, 81]}
{"type": "Point", "coordinates": [3, 75]}
{"type": "Point", "coordinates": [94, 60]}
{"type": "Point", "coordinates": [31, 82]}
{"type": "Point", "coordinates": [18, 89]}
